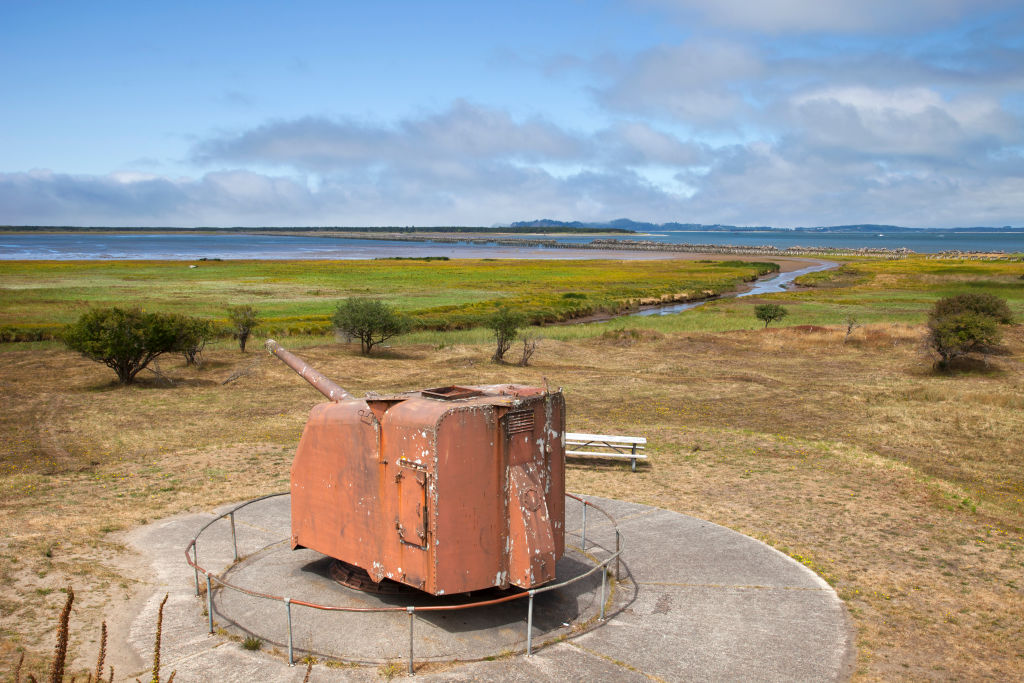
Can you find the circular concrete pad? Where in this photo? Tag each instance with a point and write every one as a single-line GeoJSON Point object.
{"type": "Point", "coordinates": [381, 637]}
{"type": "Point", "coordinates": [697, 602]}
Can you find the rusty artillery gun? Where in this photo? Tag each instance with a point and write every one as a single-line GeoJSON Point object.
{"type": "Point", "coordinates": [448, 490]}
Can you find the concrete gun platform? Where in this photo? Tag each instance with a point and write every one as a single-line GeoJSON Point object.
{"type": "Point", "coordinates": [696, 601]}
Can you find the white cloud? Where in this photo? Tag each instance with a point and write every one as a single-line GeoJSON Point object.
{"type": "Point", "coordinates": [839, 16]}
{"type": "Point", "coordinates": [461, 134]}
{"type": "Point", "coordinates": [132, 176]}
{"type": "Point", "coordinates": [791, 185]}
{"type": "Point", "coordinates": [694, 82]}
{"type": "Point", "coordinates": [636, 143]}
{"type": "Point", "coordinates": [401, 196]}
{"type": "Point", "coordinates": [783, 184]}
{"type": "Point", "coordinates": [905, 121]}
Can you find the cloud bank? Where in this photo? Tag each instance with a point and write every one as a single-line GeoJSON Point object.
{"type": "Point", "coordinates": [735, 126]}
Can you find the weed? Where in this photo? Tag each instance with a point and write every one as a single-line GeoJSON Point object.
{"type": "Point", "coordinates": [389, 670]}
{"type": "Point", "coordinates": [57, 663]}
{"type": "Point", "coordinates": [252, 643]}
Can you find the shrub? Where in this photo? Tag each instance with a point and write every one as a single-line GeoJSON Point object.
{"type": "Point", "coordinates": [982, 304]}
{"type": "Point", "coordinates": [530, 344]}
{"type": "Point", "coordinates": [243, 320]}
{"type": "Point", "coordinates": [629, 336]}
{"type": "Point", "coordinates": [195, 332]}
{"type": "Point", "coordinates": [126, 341]}
{"type": "Point", "coordinates": [34, 333]}
{"type": "Point", "coordinates": [966, 323]}
{"type": "Point", "coordinates": [370, 321]}
{"type": "Point", "coordinates": [505, 324]}
{"type": "Point", "coordinates": [769, 313]}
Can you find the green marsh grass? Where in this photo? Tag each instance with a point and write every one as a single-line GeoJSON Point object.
{"type": "Point", "coordinates": [298, 297]}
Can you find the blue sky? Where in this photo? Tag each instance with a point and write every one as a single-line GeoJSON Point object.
{"type": "Point", "coordinates": [782, 112]}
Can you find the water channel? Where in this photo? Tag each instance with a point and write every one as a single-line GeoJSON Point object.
{"type": "Point", "coordinates": [770, 285]}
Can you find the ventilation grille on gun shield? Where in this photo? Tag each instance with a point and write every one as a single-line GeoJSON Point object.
{"type": "Point", "coordinates": [519, 421]}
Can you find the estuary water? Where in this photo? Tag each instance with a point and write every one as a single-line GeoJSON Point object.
{"type": "Point", "coordinates": [187, 246]}
{"type": "Point", "coordinates": [922, 241]}
{"type": "Point", "coordinates": [768, 285]}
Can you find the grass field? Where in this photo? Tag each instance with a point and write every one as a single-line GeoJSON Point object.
{"type": "Point", "coordinates": [300, 296]}
{"type": "Point", "coordinates": [901, 486]}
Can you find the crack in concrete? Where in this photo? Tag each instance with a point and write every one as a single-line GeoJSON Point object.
{"type": "Point", "coordinates": [616, 662]}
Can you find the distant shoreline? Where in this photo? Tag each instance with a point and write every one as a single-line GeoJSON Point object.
{"type": "Point", "coordinates": [58, 243]}
{"type": "Point", "coordinates": [631, 245]}
{"type": "Point", "coordinates": [554, 228]}
{"type": "Point", "coordinates": [306, 231]}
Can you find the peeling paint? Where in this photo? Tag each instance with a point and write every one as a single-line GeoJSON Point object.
{"type": "Point", "coordinates": [419, 470]}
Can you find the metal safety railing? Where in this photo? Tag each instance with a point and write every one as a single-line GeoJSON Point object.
{"type": "Point", "coordinates": [192, 557]}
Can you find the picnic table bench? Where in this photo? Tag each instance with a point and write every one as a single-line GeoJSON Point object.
{"type": "Point", "coordinates": [605, 446]}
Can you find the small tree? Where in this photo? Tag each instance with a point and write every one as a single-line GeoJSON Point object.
{"type": "Point", "coordinates": [195, 332]}
{"type": "Point", "coordinates": [370, 321]}
{"type": "Point", "coordinates": [965, 323]}
{"type": "Point", "coordinates": [530, 343]}
{"type": "Point", "coordinates": [957, 335]}
{"type": "Point", "coordinates": [982, 304]}
{"type": "Point", "coordinates": [124, 340]}
{"type": "Point", "coordinates": [243, 321]}
{"type": "Point", "coordinates": [505, 324]}
{"type": "Point", "coordinates": [851, 325]}
{"type": "Point", "coordinates": [769, 313]}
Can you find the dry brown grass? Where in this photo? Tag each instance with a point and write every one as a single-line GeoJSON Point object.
{"type": "Point", "coordinates": [902, 487]}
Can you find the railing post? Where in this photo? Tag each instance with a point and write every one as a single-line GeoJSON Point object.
{"type": "Point", "coordinates": [291, 654]}
{"type": "Point", "coordinates": [604, 579]}
{"type": "Point", "coordinates": [209, 601]}
{"type": "Point", "coordinates": [411, 609]}
{"type": "Point", "coordinates": [529, 625]}
{"type": "Point", "coordinates": [195, 562]}
{"type": "Point", "coordinates": [617, 556]}
{"type": "Point", "coordinates": [234, 541]}
{"type": "Point", "coordinates": [583, 544]}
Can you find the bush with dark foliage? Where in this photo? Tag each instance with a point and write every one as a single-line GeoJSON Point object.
{"type": "Point", "coordinates": [370, 321]}
{"type": "Point", "coordinates": [769, 313]}
{"type": "Point", "coordinates": [126, 340]}
{"type": "Point", "coordinates": [966, 323]}
{"type": "Point", "coordinates": [243, 320]}
{"type": "Point", "coordinates": [505, 324]}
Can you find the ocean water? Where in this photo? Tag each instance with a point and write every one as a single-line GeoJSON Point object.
{"type": "Point", "coordinates": [179, 246]}
{"type": "Point", "coordinates": [923, 242]}
{"type": "Point", "coordinates": [187, 247]}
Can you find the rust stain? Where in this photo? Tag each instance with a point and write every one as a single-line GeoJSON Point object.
{"type": "Point", "coordinates": [448, 490]}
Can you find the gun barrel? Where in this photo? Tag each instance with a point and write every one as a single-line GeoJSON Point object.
{"type": "Point", "coordinates": [319, 382]}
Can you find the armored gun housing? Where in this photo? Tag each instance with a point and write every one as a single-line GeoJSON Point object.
{"type": "Point", "coordinates": [448, 490]}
